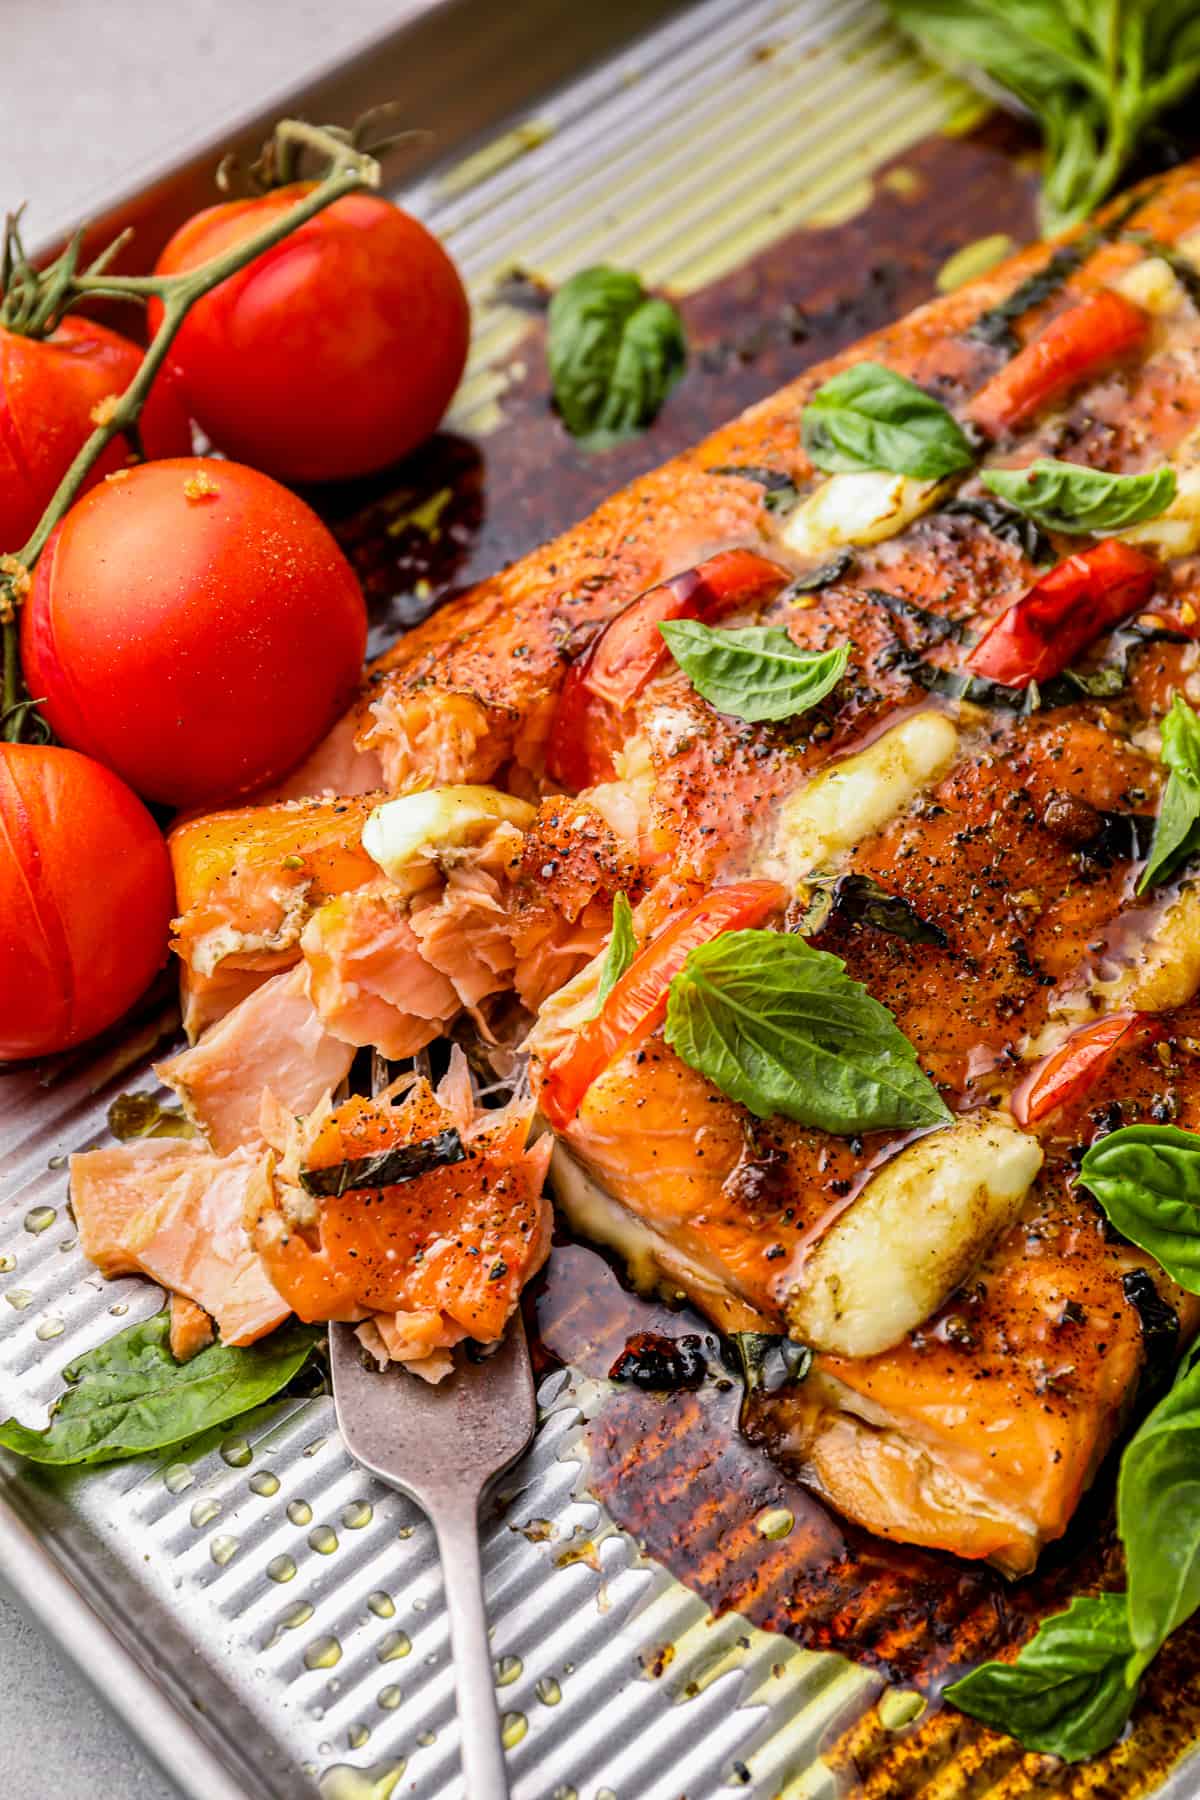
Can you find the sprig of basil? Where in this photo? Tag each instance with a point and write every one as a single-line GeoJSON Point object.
{"type": "Point", "coordinates": [1065, 496]}
{"type": "Point", "coordinates": [1147, 1179]}
{"type": "Point", "coordinates": [1066, 1694]}
{"type": "Point", "coordinates": [1158, 1516]}
{"type": "Point", "coordinates": [615, 352]}
{"type": "Point", "coordinates": [622, 948]}
{"type": "Point", "coordinates": [868, 417]}
{"type": "Point", "coordinates": [129, 1395]}
{"type": "Point", "coordinates": [755, 672]}
{"type": "Point", "coordinates": [385, 1168]}
{"type": "Point", "coordinates": [783, 1029]}
{"type": "Point", "coordinates": [1177, 828]}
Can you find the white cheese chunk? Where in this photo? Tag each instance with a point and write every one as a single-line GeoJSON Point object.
{"type": "Point", "coordinates": [862, 508]}
{"type": "Point", "coordinates": [408, 835]}
{"type": "Point", "coordinates": [851, 799]}
{"type": "Point", "coordinates": [1152, 285]}
{"type": "Point", "coordinates": [913, 1235]}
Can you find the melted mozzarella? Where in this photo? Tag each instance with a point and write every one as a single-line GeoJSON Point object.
{"type": "Point", "coordinates": [407, 836]}
{"type": "Point", "coordinates": [861, 508]}
{"type": "Point", "coordinates": [853, 798]}
{"type": "Point", "coordinates": [913, 1235]}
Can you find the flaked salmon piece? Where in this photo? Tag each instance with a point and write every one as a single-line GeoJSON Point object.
{"type": "Point", "coordinates": [171, 1209]}
{"type": "Point", "coordinates": [422, 1340]}
{"type": "Point", "coordinates": [205, 999]}
{"type": "Point", "coordinates": [369, 979]}
{"type": "Point", "coordinates": [336, 766]}
{"type": "Point", "coordinates": [191, 1329]}
{"type": "Point", "coordinates": [274, 1039]}
{"type": "Point", "coordinates": [247, 881]}
{"type": "Point", "coordinates": [455, 1244]}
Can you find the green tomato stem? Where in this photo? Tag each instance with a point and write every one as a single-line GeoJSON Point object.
{"type": "Point", "coordinates": [348, 171]}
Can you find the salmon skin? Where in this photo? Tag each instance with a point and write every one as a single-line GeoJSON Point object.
{"type": "Point", "coordinates": [969, 849]}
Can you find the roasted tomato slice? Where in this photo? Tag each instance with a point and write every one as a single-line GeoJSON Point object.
{"type": "Point", "coordinates": [1079, 600]}
{"type": "Point", "coordinates": [637, 1003]}
{"type": "Point", "coordinates": [621, 659]}
{"type": "Point", "coordinates": [1070, 1070]}
{"type": "Point", "coordinates": [1071, 349]}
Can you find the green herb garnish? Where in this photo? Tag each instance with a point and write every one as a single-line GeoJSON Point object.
{"type": "Point", "coordinates": [754, 673]}
{"type": "Point", "coordinates": [868, 417]}
{"type": "Point", "coordinates": [1177, 828]}
{"type": "Point", "coordinates": [784, 1030]}
{"type": "Point", "coordinates": [1064, 496]}
{"type": "Point", "coordinates": [385, 1168]}
{"type": "Point", "coordinates": [1147, 1179]}
{"type": "Point", "coordinates": [615, 352]}
{"type": "Point", "coordinates": [129, 1395]}
{"type": "Point", "coordinates": [622, 948]}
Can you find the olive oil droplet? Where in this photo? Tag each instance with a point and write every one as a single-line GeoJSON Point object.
{"type": "Point", "coordinates": [323, 1539]}
{"type": "Point", "coordinates": [177, 1477]}
{"type": "Point", "coordinates": [322, 1653]}
{"type": "Point", "coordinates": [513, 1727]}
{"type": "Point", "coordinates": [264, 1483]}
{"type": "Point", "coordinates": [508, 1669]}
{"type": "Point", "coordinates": [395, 1645]}
{"type": "Point", "coordinates": [775, 1522]}
{"type": "Point", "coordinates": [548, 1691]}
{"type": "Point", "coordinates": [357, 1736]}
{"type": "Point", "coordinates": [381, 1604]}
{"type": "Point", "coordinates": [19, 1299]}
{"type": "Point", "coordinates": [49, 1328]}
{"type": "Point", "coordinates": [223, 1550]}
{"type": "Point", "coordinates": [236, 1451]}
{"type": "Point", "coordinates": [8, 1262]}
{"type": "Point", "coordinates": [39, 1219]}
{"type": "Point", "coordinates": [357, 1514]}
{"type": "Point", "coordinates": [299, 1512]}
{"type": "Point", "coordinates": [281, 1568]}
{"type": "Point", "coordinates": [204, 1512]}
{"type": "Point", "coordinates": [390, 1698]}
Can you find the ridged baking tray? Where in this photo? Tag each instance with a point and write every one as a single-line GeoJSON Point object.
{"type": "Point", "coordinates": [268, 1619]}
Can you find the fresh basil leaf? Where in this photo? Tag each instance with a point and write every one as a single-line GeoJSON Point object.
{"type": "Point", "coordinates": [129, 1395]}
{"type": "Point", "coordinates": [1066, 1694]}
{"type": "Point", "coordinates": [754, 673]}
{"type": "Point", "coordinates": [1147, 1180]}
{"type": "Point", "coordinates": [770, 1363]}
{"type": "Point", "coordinates": [622, 948]}
{"type": "Point", "coordinates": [780, 492]}
{"type": "Point", "coordinates": [1177, 831]}
{"type": "Point", "coordinates": [783, 1029]}
{"type": "Point", "coordinates": [385, 1168]}
{"type": "Point", "coordinates": [1065, 496]}
{"type": "Point", "coordinates": [868, 417]}
{"type": "Point", "coordinates": [615, 352]}
{"type": "Point", "coordinates": [1158, 1516]}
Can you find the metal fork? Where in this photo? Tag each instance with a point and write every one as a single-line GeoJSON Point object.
{"type": "Point", "coordinates": [441, 1446]}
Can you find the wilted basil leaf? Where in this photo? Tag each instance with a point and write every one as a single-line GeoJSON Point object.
{"type": "Point", "coordinates": [780, 492]}
{"type": "Point", "coordinates": [1065, 496]}
{"type": "Point", "coordinates": [129, 1395]}
{"type": "Point", "coordinates": [614, 351]}
{"type": "Point", "coordinates": [770, 1363]}
{"type": "Point", "coordinates": [1066, 1693]}
{"type": "Point", "coordinates": [868, 417]}
{"type": "Point", "coordinates": [783, 1029]}
{"type": "Point", "coordinates": [386, 1168]}
{"type": "Point", "coordinates": [755, 673]}
{"type": "Point", "coordinates": [144, 1115]}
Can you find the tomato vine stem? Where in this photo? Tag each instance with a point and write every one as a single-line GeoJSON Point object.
{"type": "Point", "coordinates": [47, 295]}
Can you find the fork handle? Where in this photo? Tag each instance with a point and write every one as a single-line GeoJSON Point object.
{"type": "Point", "coordinates": [484, 1776]}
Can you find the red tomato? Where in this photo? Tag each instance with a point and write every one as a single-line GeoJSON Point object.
{"type": "Point", "coordinates": [1070, 1070]}
{"type": "Point", "coordinates": [637, 1003]}
{"type": "Point", "coordinates": [193, 625]}
{"type": "Point", "coordinates": [330, 355]}
{"type": "Point", "coordinates": [1074, 347]}
{"type": "Point", "coordinates": [630, 649]}
{"type": "Point", "coordinates": [85, 898]}
{"type": "Point", "coordinates": [1078, 600]}
{"type": "Point", "coordinates": [49, 388]}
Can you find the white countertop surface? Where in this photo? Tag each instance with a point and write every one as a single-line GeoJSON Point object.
{"type": "Point", "coordinates": [94, 92]}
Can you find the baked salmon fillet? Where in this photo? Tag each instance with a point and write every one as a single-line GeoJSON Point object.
{"type": "Point", "coordinates": [958, 821]}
